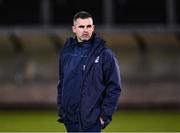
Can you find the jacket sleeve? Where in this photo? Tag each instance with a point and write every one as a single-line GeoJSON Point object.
{"type": "Point", "coordinates": [112, 80]}
{"type": "Point", "coordinates": [59, 89]}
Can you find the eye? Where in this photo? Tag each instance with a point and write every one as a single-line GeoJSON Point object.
{"type": "Point", "coordinates": [89, 26]}
{"type": "Point", "coordinates": [81, 26]}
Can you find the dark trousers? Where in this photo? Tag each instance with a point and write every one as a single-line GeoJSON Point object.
{"type": "Point", "coordinates": [75, 127]}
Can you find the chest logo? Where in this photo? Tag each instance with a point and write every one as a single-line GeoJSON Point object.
{"type": "Point", "coordinates": [96, 60]}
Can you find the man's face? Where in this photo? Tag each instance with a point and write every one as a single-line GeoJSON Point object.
{"type": "Point", "coordinates": [83, 28]}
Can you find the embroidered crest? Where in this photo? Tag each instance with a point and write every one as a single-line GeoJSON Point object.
{"type": "Point", "coordinates": [97, 60]}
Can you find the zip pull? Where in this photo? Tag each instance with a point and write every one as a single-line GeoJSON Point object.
{"type": "Point", "coordinates": [84, 67]}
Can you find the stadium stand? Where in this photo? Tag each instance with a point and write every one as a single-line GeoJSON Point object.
{"type": "Point", "coordinates": [41, 56]}
{"type": "Point", "coordinates": [149, 64]}
{"type": "Point", "coordinates": [163, 55]}
{"type": "Point", "coordinates": [126, 49]}
{"type": "Point", "coordinates": [8, 63]}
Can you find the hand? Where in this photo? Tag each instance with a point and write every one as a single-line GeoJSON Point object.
{"type": "Point", "coordinates": [101, 120]}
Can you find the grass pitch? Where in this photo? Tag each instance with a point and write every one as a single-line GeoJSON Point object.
{"type": "Point", "coordinates": [123, 121]}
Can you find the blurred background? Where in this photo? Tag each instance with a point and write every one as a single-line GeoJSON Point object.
{"type": "Point", "coordinates": [144, 34]}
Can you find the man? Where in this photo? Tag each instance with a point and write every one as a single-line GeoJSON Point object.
{"type": "Point", "coordinates": [89, 79]}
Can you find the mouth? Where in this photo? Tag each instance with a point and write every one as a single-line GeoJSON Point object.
{"type": "Point", "coordinates": [85, 37]}
{"type": "Point", "coordinates": [85, 34]}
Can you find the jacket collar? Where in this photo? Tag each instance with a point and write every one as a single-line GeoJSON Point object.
{"type": "Point", "coordinates": [86, 41]}
{"type": "Point", "coordinates": [96, 42]}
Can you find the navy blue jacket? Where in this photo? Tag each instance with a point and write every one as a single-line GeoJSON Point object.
{"type": "Point", "coordinates": [100, 84]}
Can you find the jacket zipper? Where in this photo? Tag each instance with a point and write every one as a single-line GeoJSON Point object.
{"type": "Point", "coordinates": [84, 67]}
{"type": "Point", "coordinates": [80, 121]}
{"type": "Point", "coordinates": [84, 73]}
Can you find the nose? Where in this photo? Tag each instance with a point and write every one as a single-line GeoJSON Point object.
{"type": "Point", "coordinates": [85, 30]}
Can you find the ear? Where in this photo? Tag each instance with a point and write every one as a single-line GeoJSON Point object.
{"type": "Point", "coordinates": [93, 27]}
{"type": "Point", "coordinates": [74, 29]}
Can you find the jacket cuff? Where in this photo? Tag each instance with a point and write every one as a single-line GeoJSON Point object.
{"type": "Point", "coordinates": [107, 119]}
{"type": "Point", "coordinates": [60, 120]}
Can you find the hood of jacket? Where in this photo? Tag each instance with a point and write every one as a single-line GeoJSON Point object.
{"type": "Point", "coordinates": [97, 43]}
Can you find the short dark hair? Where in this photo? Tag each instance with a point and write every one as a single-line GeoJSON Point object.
{"type": "Point", "coordinates": [82, 15]}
